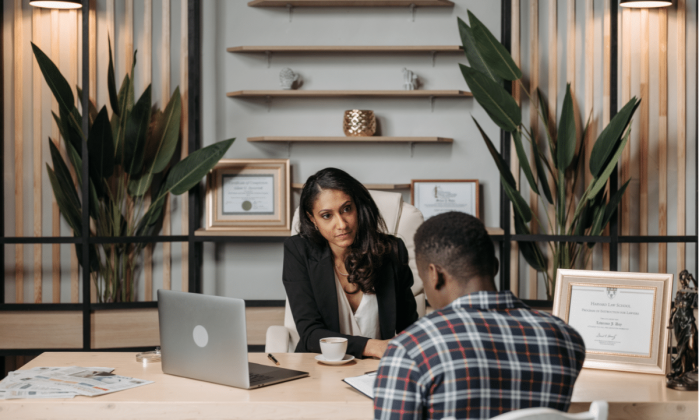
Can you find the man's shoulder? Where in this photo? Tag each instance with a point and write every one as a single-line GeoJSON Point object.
{"type": "Point", "coordinates": [445, 321]}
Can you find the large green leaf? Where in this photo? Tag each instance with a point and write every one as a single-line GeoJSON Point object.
{"type": "Point", "coordinates": [101, 147]}
{"type": "Point", "coordinates": [57, 83]}
{"type": "Point", "coordinates": [188, 172]}
{"type": "Point", "coordinates": [493, 52]}
{"type": "Point", "coordinates": [521, 207]}
{"type": "Point", "coordinates": [597, 220]}
{"type": "Point", "coordinates": [543, 178]}
{"type": "Point", "coordinates": [111, 82]}
{"type": "Point", "coordinates": [524, 161]}
{"type": "Point", "coordinates": [182, 177]}
{"type": "Point", "coordinates": [136, 131]}
{"type": "Point", "coordinates": [168, 128]}
{"type": "Point", "coordinates": [614, 203]}
{"type": "Point", "coordinates": [599, 183]}
{"type": "Point", "coordinates": [121, 117]}
{"type": "Point", "coordinates": [68, 209]}
{"type": "Point", "coordinates": [68, 132]}
{"type": "Point", "coordinates": [63, 176]}
{"type": "Point", "coordinates": [609, 138]}
{"type": "Point", "coordinates": [500, 105]}
{"type": "Point", "coordinates": [505, 173]}
{"type": "Point", "coordinates": [530, 251]}
{"type": "Point", "coordinates": [544, 107]}
{"type": "Point", "coordinates": [474, 56]}
{"type": "Point", "coordinates": [565, 148]}
{"type": "Point", "coordinates": [138, 187]}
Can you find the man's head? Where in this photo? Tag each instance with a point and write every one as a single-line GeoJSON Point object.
{"type": "Point", "coordinates": [455, 256]}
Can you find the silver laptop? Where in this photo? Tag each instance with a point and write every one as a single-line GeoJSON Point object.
{"type": "Point", "coordinates": [204, 337]}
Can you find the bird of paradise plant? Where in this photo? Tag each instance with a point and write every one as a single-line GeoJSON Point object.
{"type": "Point", "coordinates": [558, 172]}
{"type": "Point", "coordinates": [128, 156]}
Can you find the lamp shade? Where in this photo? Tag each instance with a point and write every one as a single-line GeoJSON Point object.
{"type": "Point", "coordinates": [645, 3]}
{"type": "Point", "coordinates": [57, 4]}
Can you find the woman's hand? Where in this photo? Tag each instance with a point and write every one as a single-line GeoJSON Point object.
{"type": "Point", "coordinates": [375, 348]}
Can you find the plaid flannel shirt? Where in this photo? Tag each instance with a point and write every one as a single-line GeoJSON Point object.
{"type": "Point", "coordinates": [484, 354]}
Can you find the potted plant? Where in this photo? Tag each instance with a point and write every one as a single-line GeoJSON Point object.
{"type": "Point", "coordinates": [558, 171]}
{"type": "Point", "coordinates": [128, 156]}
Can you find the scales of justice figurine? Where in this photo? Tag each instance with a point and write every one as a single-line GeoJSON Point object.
{"type": "Point", "coordinates": [683, 370]}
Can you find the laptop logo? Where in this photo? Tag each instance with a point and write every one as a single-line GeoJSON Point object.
{"type": "Point", "coordinates": [201, 336]}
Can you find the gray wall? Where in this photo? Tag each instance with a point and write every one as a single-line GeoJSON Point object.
{"type": "Point", "coordinates": [253, 271]}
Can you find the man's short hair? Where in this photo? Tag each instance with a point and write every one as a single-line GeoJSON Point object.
{"type": "Point", "coordinates": [459, 243]}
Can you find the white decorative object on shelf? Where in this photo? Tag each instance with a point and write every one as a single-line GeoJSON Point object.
{"type": "Point", "coordinates": [409, 80]}
{"type": "Point", "coordinates": [287, 77]}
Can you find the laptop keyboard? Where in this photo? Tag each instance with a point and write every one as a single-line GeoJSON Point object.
{"type": "Point", "coordinates": [256, 377]}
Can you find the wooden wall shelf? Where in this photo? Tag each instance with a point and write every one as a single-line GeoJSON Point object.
{"type": "Point", "coordinates": [383, 187]}
{"type": "Point", "coordinates": [372, 139]}
{"type": "Point", "coordinates": [347, 49]}
{"type": "Point", "coordinates": [349, 93]}
{"type": "Point", "coordinates": [350, 3]}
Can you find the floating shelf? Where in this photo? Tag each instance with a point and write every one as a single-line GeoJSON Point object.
{"type": "Point", "coordinates": [248, 233]}
{"type": "Point", "coordinates": [347, 49]}
{"type": "Point", "coordinates": [350, 3]}
{"type": "Point", "coordinates": [349, 93]}
{"type": "Point", "coordinates": [372, 139]}
{"type": "Point", "coordinates": [384, 187]}
{"type": "Point", "coordinates": [495, 231]}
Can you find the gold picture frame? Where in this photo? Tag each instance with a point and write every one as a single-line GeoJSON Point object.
{"type": "Point", "coordinates": [621, 316]}
{"type": "Point", "coordinates": [430, 208]}
{"type": "Point", "coordinates": [251, 196]}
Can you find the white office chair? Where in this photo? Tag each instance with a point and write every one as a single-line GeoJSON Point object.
{"type": "Point", "coordinates": [402, 220]}
{"type": "Point", "coordinates": [599, 410]}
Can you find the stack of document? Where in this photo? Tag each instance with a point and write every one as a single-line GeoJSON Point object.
{"type": "Point", "coordinates": [64, 382]}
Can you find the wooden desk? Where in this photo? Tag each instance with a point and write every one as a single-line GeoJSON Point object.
{"type": "Point", "coordinates": [321, 396]}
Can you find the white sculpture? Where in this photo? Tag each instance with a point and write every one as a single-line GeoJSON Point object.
{"type": "Point", "coordinates": [287, 78]}
{"type": "Point", "coordinates": [409, 80]}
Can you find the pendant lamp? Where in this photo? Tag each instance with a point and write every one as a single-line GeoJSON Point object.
{"type": "Point", "coordinates": [57, 4]}
{"type": "Point", "coordinates": [638, 4]}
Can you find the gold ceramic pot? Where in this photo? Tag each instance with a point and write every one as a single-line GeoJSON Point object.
{"type": "Point", "coordinates": [359, 123]}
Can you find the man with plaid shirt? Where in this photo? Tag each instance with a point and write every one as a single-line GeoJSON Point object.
{"type": "Point", "coordinates": [482, 352]}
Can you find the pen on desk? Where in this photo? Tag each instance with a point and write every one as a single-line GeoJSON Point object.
{"type": "Point", "coordinates": [371, 371]}
{"type": "Point", "coordinates": [270, 357]}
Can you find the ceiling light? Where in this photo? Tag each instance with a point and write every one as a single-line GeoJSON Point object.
{"type": "Point", "coordinates": [57, 4]}
{"type": "Point", "coordinates": [638, 4]}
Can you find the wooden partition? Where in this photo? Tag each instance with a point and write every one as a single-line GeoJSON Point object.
{"type": "Point", "coordinates": [59, 35]}
{"type": "Point", "coordinates": [644, 69]}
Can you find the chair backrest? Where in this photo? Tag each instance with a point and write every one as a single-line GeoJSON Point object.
{"type": "Point", "coordinates": [402, 220]}
{"type": "Point", "coordinates": [599, 410]}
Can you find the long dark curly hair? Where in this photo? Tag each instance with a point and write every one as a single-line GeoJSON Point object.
{"type": "Point", "coordinates": [371, 246]}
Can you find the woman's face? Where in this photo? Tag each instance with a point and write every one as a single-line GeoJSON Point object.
{"type": "Point", "coordinates": [335, 215]}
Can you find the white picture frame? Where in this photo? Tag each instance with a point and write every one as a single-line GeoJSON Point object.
{"type": "Point", "coordinates": [622, 317]}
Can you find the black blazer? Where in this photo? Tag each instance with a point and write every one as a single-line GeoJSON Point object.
{"type": "Point", "coordinates": [309, 281]}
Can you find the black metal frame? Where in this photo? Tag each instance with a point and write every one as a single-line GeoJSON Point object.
{"type": "Point", "coordinates": [195, 195]}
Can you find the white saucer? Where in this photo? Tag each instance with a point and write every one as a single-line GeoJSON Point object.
{"type": "Point", "coordinates": [347, 358]}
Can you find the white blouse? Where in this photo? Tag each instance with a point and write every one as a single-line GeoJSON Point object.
{"type": "Point", "coordinates": [364, 322]}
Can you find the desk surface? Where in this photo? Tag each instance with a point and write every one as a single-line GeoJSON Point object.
{"type": "Point", "coordinates": [322, 395]}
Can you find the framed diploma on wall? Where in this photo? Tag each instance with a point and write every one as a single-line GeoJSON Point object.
{"type": "Point", "coordinates": [436, 196]}
{"type": "Point", "coordinates": [622, 317]}
{"type": "Point", "coordinates": [248, 195]}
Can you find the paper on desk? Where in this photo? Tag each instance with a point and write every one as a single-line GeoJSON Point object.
{"type": "Point", "coordinates": [14, 394]}
{"type": "Point", "coordinates": [363, 384]}
{"type": "Point", "coordinates": [61, 381]}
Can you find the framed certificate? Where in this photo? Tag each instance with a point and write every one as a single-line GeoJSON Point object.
{"type": "Point", "coordinates": [622, 317]}
{"type": "Point", "coordinates": [248, 195]}
{"type": "Point", "coordinates": [436, 196]}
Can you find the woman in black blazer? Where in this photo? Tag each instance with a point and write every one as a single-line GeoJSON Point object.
{"type": "Point", "coordinates": [340, 242]}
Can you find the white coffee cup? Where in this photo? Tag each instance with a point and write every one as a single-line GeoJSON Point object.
{"type": "Point", "coordinates": [333, 348]}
